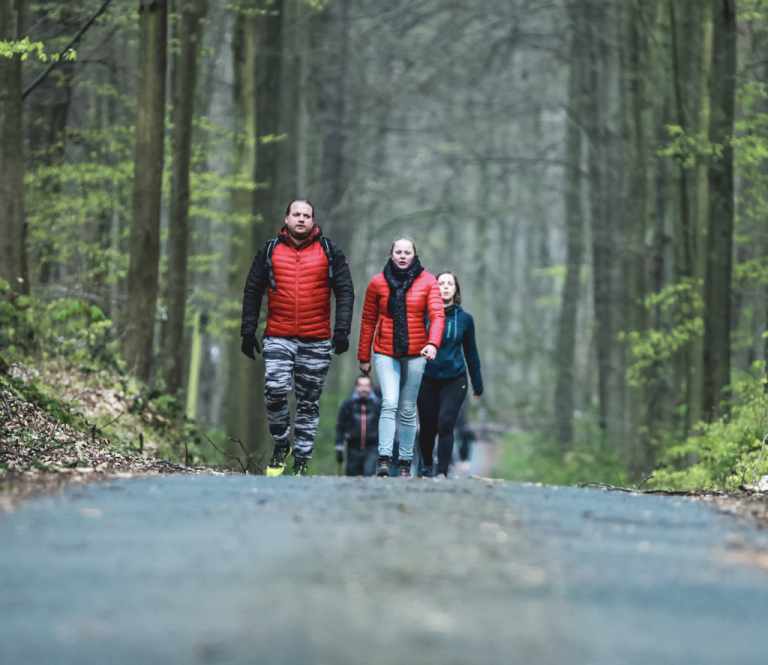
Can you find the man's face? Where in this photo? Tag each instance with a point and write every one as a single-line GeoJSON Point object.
{"type": "Point", "coordinates": [364, 387]}
{"type": "Point", "coordinates": [300, 220]}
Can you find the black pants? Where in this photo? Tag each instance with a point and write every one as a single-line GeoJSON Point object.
{"type": "Point", "coordinates": [439, 404]}
{"type": "Point", "coordinates": [362, 461]}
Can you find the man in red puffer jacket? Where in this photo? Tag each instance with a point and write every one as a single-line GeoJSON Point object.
{"type": "Point", "coordinates": [298, 270]}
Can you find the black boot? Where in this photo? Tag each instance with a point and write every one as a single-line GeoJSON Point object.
{"type": "Point", "coordinates": [404, 467]}
{"type": "Point", "coordinates": [383, 465]}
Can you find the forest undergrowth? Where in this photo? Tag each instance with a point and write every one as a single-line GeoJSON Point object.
{"type": "Point", "coordinates": [69, 406]}
{"type": "Point", "coordinates": [727, 454]}
{"type": "Point", "coordinates": [68, 403]}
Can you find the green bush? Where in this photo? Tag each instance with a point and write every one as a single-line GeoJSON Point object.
{"type": "Point", "coordinates": [725, 452]}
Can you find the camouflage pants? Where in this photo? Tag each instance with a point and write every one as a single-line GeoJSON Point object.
{"type": "Point", "coordinates": [307, 362]}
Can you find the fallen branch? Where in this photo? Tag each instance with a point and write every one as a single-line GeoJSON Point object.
{"type": "Point", "coordinates": [50, 438]}
{"type": "Point", "coordinates": [635, 490]}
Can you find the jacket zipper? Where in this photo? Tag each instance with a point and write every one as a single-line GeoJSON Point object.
{"type": "Point", "coordinates": [363, 426]}
{"type": "Point", "coordinates": [296, 294]}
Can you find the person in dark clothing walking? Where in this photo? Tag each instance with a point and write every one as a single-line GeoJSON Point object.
{"type": "Point", "coordinates": [358, 427]}
{"type": "Point", "coordinates": [298, 270]}
{"type": "Point", "coordinates": [444, 384]}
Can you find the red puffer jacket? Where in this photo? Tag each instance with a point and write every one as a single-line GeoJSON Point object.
{"type": "Point", "coordinates": [377, 323]}
{"type": "Point", "coordinates": [302, 305]}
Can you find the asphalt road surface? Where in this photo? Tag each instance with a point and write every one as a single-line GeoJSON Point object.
{"type": "Point", "coordinates": [243, 569]}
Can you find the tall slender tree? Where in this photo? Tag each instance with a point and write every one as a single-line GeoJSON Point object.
{"type": "Point", "coordinates": [719, 247]}
{"type": "Point", "coordinates": [184, 81]}
{"type": "Point", "coordinates": [574, 231]}
{"type": "Point", "coordinates": [240, 397]}
{"type": "Point", "coordinates": [13, 250]}
{"type": "Point", "coordinates": [143, 271]}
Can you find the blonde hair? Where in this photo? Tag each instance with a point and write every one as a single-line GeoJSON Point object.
{"type": "Point", "coordinates": [409, 239]}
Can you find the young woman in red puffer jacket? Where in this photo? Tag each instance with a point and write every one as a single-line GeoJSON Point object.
{"type": "Point", "coordinates": [397, 303]}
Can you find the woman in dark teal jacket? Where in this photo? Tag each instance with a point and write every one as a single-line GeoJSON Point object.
{"type": "Point", "coordinates": [444, 383]}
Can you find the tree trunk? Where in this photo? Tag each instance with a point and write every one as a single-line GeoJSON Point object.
{"type": "Point", "coordinates": [184, 81]}
{"type": "Point", "coordinates": [602, 233]}
{"type": "Point", "coordinates": [13, 250]}
{"type": "Point", "coordinates": [332, 108]}
{"type": "Point", "coordinates": [337, 223]}
{"type": "Point", "coordinates": [143, 269]}
{"type": "Point", "coordinates": [574, 231]}
{"type": "Point", "coordinates": [719, 256]}
{"type": "Point", "coordinates": [696, 370]}
{"type": "Point", "coordinates": [240, 399]}
{"type": "Point", "coordinates": [266, 204]}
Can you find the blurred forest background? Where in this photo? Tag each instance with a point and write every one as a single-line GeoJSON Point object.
{"type": "Point", "coordinates": [593, 171]}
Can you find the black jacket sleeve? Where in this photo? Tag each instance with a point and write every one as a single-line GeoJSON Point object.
{"type": "Point", "coordinates": [342, 423]}
{"type": "Point", "coordinates": [343, 290]}
{"type": "Point", "coordinates": [472, 356]}
{"type": "Point", "coordinates": [255, 288]}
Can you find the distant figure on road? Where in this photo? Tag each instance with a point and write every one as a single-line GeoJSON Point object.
{"type": "Point", "coordinates": [358, 427]}
{"type": "Point", "coordinates": [466, 438]}
{"type": "Point", "coordinates": [397, 303]}
{"type": "Point", "coordinates": [298, 270]}
{"type": "Point", "coordinates": [444, 384]}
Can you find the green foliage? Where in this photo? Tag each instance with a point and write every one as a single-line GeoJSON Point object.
{"type": "Point", "coordinates": [727, 450]}
{"type": "Point", "coordinates": [689, 148]}
{"type": "Point", "coordinates": [65, 328]}
{"type": "Point", "coordinates": [533, 457]}
{"type": "Point", "coordinates": [25, 47]}
{"type": "Point", "coordinates": [79, 210]}
{"type": "Point", "coordinates": [651, 347]}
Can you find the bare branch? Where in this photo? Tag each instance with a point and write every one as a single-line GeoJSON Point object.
{"type": "Point", "coordinates": [762, 450]}
{"type": "Point", "coordinates": [110, 422]}
{"type": "Point", "coordinates": [74, 41]}
{"type": "Point", "coordinates": [7, 406]}
{"type": "Point", "coordinates": [237, 459]}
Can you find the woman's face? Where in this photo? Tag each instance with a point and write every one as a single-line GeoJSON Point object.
{"type": "Point", "coordinates": [447, 287]}
{"type": "Point", "coordinates": [403, 254]}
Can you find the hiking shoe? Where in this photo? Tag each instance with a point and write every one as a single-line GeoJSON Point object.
{"type": "Point", "coordinates": [425, 472]}
{"type": "Point", "coordinates": [441, 475]}
{"type": "Point", "coordinates": [299, 466]}
{"type": "Point", "coordinates": [404, 467]}
{"type": "Point", "coordinates": [382, 466]}
{"type": "Point", "coordinates": [276, 465]}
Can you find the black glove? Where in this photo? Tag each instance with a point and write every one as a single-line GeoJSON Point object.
{"type": "Point", "coordinates": [339, 454]}
{"type": "Point", "coordinates": [249, 345]}
{"type": "Point", "coordinates": [340, 342]}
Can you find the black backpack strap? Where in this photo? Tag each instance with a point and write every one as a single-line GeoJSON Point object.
{"type": "Point", "coordinates": [327, 247]}
{"type": "Point", "coordinates": [270, 250]}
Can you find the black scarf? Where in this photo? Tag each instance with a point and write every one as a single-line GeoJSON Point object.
{"type": "Point", "coordinates": [399, 282]}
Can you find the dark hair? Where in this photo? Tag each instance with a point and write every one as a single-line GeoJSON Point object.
{"type": "Point", "coordinates": [457, 295]}
{"type": "Point", "coordinates": [288, 209]}
{"type": "Point", "coordinates": [364, 376]}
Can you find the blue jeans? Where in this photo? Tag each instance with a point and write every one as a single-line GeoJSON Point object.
{"type": "Point", "coordinates": [400, 379]}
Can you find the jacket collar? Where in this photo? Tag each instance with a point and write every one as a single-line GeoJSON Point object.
{"type": "Point", "coordinates": [284, 237]}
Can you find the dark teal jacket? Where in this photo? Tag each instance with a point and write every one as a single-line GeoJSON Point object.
{"type": "Point", "coordinates": [458, 336]}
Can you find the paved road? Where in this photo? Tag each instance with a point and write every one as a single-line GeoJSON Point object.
{"type": "Point", "coordinates": [365, 571]}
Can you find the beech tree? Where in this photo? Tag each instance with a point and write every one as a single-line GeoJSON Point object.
{"type": "Point", "coordinates": [144, 267]}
